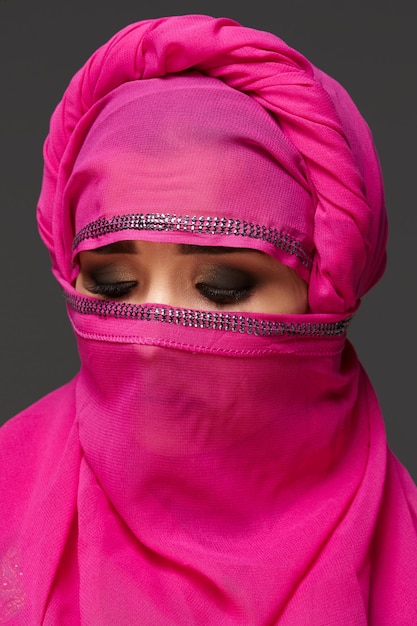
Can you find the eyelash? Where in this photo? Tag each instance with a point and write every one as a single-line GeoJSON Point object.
{"type": "Point", "coordinates": [224, 296]}
{"type": "Point", "coordinates": [117, 290]}
{"type": "Point", "coordinates": [113, 291]}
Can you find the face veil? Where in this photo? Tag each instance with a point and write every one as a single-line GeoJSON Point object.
{"type": "Point", "coordinates": [210, 467]}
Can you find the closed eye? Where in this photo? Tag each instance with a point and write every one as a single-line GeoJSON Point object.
{"type": "Point", "coordinates": [113, 290]}
{"type": "Point", "coordinates": [222, 283]}
{"type": "Point", "coordinates": [220, 295]}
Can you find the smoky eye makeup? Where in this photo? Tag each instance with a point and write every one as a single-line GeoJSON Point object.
{"type": "Point", "coordinates": [109, 281]}
{"type": "Point", "coordinates": [112, 291]}
{"type": "Point", "coordinates": [225, 284]}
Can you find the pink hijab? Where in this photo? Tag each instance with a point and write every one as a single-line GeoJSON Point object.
{"type": "Point", "coordinates": [209, 467]}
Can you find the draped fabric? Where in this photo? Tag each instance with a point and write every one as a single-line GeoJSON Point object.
{"type": "Point", "coordinates": [209, 467]}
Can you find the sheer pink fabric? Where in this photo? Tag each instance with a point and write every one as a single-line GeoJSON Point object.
{"type": "Point", "coordinates": [209, 467]}
{"type": "Point", "coordinates": [174, 147]}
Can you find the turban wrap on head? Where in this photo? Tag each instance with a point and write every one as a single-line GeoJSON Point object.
{"type": "Point", "coordinates": [314, 112]}
{"type": "Point", "coordinates": [210, 467]}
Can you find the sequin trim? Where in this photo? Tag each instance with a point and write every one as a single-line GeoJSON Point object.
{"type": "Point", "coordinates": [12, 597]}
{"type": "Point", "coordinates": [212, 320]}
{"type": "Point", "coordinates": [185, 223]}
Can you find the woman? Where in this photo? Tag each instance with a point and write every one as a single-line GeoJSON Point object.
{"type": "Point", "coordinates": [214, 210]}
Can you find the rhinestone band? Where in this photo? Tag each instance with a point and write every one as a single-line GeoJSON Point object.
{"type": "Point", "coordinates": [213, 320]}
{"type": "Point", "coordinates": [185, 223]}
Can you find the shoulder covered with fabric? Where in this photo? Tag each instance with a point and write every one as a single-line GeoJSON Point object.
{"type": "Point", "coordinates": [40, 466]}
{"type": "Point", "coordinates": [32, 446]}
{"type": "Point", "coordinates": [315, 113]}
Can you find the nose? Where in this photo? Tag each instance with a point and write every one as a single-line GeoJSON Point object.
{"type": "Point", "coordinates": [162, 290]}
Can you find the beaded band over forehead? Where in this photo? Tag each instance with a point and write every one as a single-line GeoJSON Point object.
{"type": "Point", "coordinates": [138, 222]}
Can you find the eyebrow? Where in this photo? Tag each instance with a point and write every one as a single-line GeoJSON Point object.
{"type": "Point", "coordinates": [128, 247]}
{"type": "Point", "coordinates": [118, 247]}
{"type": "Point", "coordinates": [186, 248]}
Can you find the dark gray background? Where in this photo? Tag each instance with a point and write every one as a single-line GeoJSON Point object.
{"type": "Point", "coordinates": [370, 47]}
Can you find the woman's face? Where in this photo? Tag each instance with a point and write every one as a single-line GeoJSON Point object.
{"type": "Point", "coordinates": [190, 276]}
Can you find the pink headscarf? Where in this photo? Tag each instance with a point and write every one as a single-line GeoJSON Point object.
{"type": "Point", "coordinates": [314, 112]}
{"type": "Point", "coordinates": [209, 467]}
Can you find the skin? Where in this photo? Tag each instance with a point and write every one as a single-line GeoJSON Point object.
{"type": "Point", "coordinates": [189, 276]}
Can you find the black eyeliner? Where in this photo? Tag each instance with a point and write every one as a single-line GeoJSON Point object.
{"type": "Point", "coordinates": [224, 296]}
{"type": "Point", "coordinates": [115, 289]}
{"type": "Point", "coordinates": [226, 284]}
